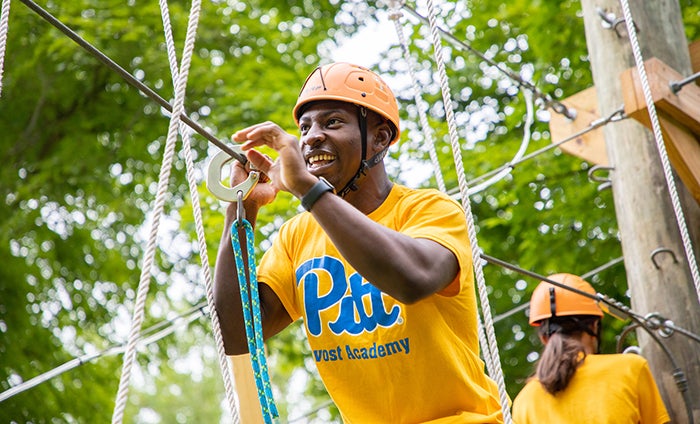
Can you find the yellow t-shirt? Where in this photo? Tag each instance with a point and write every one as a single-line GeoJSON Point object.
{"type": "Point", "coordinates": [606, 389]}
{"type": "Point", "coordinates": [383, 361]}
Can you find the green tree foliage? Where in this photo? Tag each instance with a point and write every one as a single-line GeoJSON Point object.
{"type": "Point", "coordinates": [82, 152]}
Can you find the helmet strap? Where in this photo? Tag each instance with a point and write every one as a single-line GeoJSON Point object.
{"type": "Point", "coordinates": [365, 164]}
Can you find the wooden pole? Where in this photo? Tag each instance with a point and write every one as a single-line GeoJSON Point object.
{"type": "Point", "coordinates": [644, 212]}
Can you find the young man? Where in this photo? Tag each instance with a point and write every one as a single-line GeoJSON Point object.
{"type": "Point", "coordinates": [380, 273]}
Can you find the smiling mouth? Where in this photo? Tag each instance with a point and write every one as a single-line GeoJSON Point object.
{"type": "Point", "coordinates": [317, 161]}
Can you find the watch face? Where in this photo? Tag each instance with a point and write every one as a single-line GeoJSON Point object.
{"type": "Point", "coordinates": [327, 183]}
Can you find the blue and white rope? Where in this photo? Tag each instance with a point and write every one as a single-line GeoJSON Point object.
{"type": "Point", "coordinates": [250, 299]}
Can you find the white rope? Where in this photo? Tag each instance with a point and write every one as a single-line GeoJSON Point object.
{"type": "Point", "coordinates": [395, 14]}
{"type": "Point", "coordinates": [4, 27]}
{"type": "Point", "coordinates": [186, 134]}
{"type": "Point", "coordinates": [661, 147]}
{"type": "Point", "coordinates": [495, 370]}
{"type": "Point", "coordinates": [139, 307]}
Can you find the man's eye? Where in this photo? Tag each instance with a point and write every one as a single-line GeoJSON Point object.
{"type": "Point", "coordinates": [303, 128]}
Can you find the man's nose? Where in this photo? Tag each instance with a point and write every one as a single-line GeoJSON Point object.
{"type": "Point", "coordinates": [314, 135]}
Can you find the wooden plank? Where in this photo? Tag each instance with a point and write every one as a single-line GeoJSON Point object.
{"type": "Point", "coordinates": [679, 117]}
{"type": "Point", "coordinates": [589, 146]}
{"type": "Point", "coordinates": [683, 106]}
{"type": "Point", "coordinates": [694, 50]}
{"type": "Point", "coordinates": [683, 150]}
{"type": "Point", "coordinates": [249, 410]}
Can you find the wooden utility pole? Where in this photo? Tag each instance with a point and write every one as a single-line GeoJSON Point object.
{"type": "Point", "coordinates": [661, 282]}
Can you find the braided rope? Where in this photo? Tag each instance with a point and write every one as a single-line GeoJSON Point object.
{"type": "Point", "coordinates": [395, 15]}
{"type": "Point", "coordinates": [495, 370]}
{"type": "Point", "coordinates": [4, 27]}
{"type": "Point", "coordinates": [250, 300]}
{"type": "Point", "coordinates": [186, 134]}
{"type": "Point", "coordinates": [139, 307]}
{"type": "Point", "coordinates": [661, 147]}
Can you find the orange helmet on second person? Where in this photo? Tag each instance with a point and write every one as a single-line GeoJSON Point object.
{"type": "Point", "coordinates": [549, 300]}
{"type": "Point", "coordinates": [350, 83]}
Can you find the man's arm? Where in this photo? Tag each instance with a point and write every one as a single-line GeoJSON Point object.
{"type": "Point", "coordinates": [227, 296]}
{"type": "Point", "coordinates": [409, 269]}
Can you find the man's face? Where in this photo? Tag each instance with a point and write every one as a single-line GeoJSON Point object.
{"type": "Point", "coordinates": [330, 140]}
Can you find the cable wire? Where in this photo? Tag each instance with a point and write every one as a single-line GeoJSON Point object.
{"type": "Point", "coordinates": [616, 116]}
{"type": "Point", "coordinates": [525, 305]}
{"type": "Point", "coordinates": [130, 79]}
{"type": "Point", "coordinates": [547, 99]}
{"type": "Point", "coordinates": [147, 336]}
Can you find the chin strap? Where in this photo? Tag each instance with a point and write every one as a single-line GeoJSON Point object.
{"type": "Point", "coordinates": [365, 164]}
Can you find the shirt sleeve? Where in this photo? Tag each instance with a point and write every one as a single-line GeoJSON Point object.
{"type": "Point", "coordinates": [651, 407]}
{"type": "Point", "coordinates": [438, 218]}
{"type": "Point", "coordinates": [276, 270]}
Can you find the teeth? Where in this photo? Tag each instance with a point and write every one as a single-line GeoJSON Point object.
{"type": "Point", "coordinates": [317, 158]}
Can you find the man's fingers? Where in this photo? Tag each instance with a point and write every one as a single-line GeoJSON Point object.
{"type": "Point", "coordinates": [259, 161]}
{"type": "Point", "coordinates": [248, 133]}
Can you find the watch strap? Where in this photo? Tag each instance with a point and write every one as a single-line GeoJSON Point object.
{"type": "Point", "coordinates": [315, 193]}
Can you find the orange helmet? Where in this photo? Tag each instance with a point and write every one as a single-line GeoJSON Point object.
{"type": "Point", "coordinates": [549, 300]}
{"type": "Point", "coordinates": [353, 84]}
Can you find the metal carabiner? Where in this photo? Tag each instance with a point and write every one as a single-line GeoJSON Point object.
{"type": "Point", "coordinates": [228, 194]}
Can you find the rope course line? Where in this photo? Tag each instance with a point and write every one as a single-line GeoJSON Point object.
{"type": "Point", "coordinates": [142, 292]}
{"type": "Point", "coordinates": [547, 99]}
{"type": "Point", "coordinates": [616, 308]}
{"type": "Point", "coordinates": [130, 79]}
{"type": "Point", "coordinates": [4, 27]}
{"type": "Point", "coordinates": [524, 306]}
{"type": "Point", "coordinates": [145, 338]}
{"type": "Point", "coordinates": [615, 116]}
{"type": "Point", "coordinates": [199, 226]}
{"type": "Point", "coordinates": [491, 348]}
{"type": "Point", "coordinates": [661, 147]}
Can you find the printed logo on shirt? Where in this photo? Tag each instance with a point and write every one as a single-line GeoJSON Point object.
{"type": "Point", "coordinates": [348, 294]}
{"type": "Point", "coordinates": [372, 351]}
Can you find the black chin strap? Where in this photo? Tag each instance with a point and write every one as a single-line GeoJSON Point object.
{"type": "Point", "coordinates": [365, 164]}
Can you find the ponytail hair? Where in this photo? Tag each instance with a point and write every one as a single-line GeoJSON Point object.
{"type": "Point", "coordinates": [564, 352]}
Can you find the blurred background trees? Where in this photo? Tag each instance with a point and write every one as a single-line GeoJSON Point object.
{"type": "Point", "coordinates": [82, 150]}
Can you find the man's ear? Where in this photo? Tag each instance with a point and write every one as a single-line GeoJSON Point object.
{"type": "Point", "coordinates": [382, 136]}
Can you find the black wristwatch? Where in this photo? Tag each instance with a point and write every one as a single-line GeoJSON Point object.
{"type": "Point", "coordinates": [315, 193]}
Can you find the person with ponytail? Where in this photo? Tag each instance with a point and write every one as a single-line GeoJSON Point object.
{"type": "Point", "coordinates": [573, 382]}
